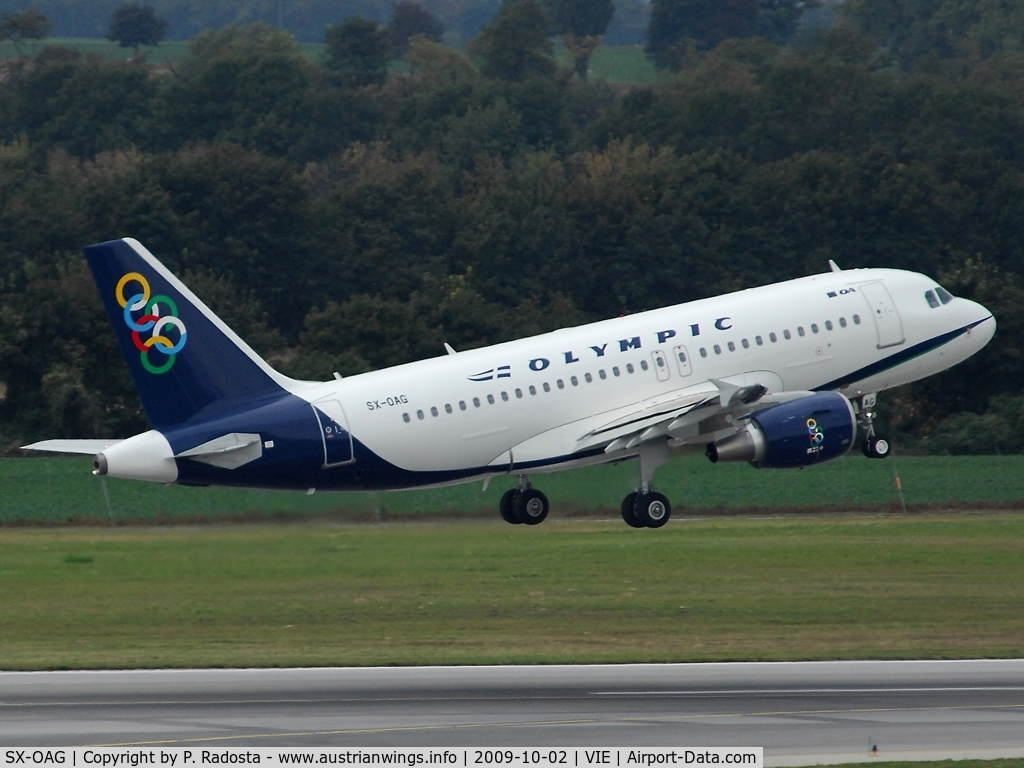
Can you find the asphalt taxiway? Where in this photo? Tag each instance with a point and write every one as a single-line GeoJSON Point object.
{"type": "Point", "coordinates": [802, 713]}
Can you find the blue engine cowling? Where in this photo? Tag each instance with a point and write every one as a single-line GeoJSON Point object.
{"type": "Point", "coordinates": [795, 434]}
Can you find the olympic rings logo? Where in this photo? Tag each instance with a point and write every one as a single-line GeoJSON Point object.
{"type": "Point", "coordinates": [815, 435]}
{"type": "Point", "coordinates": [159, 317]}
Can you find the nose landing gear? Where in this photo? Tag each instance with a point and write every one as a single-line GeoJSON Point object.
{"type": "Point", "coordinates": [524, 504]}
{"type": "Point", "coordinates": [874, 446]}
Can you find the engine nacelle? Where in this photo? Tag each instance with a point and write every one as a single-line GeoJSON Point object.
{"type": "Point", "coordinates": [794, 434]}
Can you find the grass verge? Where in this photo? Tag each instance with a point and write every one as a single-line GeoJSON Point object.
{"type": "Point", "coordinates": [52, 490]}
{"type": "Point", "coordinates": [924, 586]}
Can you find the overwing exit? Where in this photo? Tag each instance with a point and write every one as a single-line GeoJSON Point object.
{"type": "Point", "coordinates": [781, 376]}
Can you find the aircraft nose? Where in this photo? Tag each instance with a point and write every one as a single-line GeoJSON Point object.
{"type": "Point", "coordinates": [984, 328]}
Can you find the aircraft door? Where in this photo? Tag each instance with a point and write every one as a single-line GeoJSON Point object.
{"type": "Point", "coordinates": [661, 365]}
{"type": "Point", "coordinates": [334, 433]}
{"type": "Point", "coordinates": [887, 319]}
{"type": "Point", "coordinates": [682, 360]}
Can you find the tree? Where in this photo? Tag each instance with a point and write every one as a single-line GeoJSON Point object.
{"type": "Point", "coordinates": [409, 19]}
{"type": "Point", "coordinates": [582, 24]}
{"type": "Point", "coordinates": [134, 24]}
{"type": "Point", "coordinates": [515, 45]}
{"type": "Point", "coordinates": [708, 22]}
{"type": "Point", "coordinates": [358, 50]}
{"type": "Point", "coordinates": [29, 24]}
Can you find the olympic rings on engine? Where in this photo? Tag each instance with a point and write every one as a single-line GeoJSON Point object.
{"type": "Point", "coordinates": [815, 435]}
{"type": "Point", "coordinates": [159, 315]}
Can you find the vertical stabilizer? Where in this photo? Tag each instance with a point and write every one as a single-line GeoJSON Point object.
{"type": "Point", "coordinates": [185, 361]}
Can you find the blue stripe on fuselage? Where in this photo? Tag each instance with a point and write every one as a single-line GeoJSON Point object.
{"type": "Point", "coordinates": [899, 358]}
{"type": "Point", "coordinates": [295, 460]}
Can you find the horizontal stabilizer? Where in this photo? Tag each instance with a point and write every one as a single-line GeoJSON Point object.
{"type": "Point", "coordinates": [90, 447]}
{"type": "Point", "coordinates": [227, 451]}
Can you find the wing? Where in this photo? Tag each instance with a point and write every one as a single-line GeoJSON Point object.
{"type": "Point", "coordinates": [691, 415]}
{"type": "Point", "coordinates": [91, 447]}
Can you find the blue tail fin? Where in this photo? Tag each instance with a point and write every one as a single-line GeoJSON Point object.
{"type": "Point", "coordinates": [185, 361]}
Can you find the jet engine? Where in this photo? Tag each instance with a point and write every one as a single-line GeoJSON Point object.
{"type": "Point", "coordinates": [795, 434]}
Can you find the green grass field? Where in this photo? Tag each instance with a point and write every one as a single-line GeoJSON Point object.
{"type": "Point", "coordinates": [61, 490]}
{"type": "Point", "coordinates": [465, 592]}
{"type": "Point", "coordinates": [627, 64]}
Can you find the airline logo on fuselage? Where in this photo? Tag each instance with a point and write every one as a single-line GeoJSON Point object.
{"type": "Point", "coordinates": [599, 350]}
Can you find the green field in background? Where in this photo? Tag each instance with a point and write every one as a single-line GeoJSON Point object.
{"type": "Point", "coordinates": [60, 490]}
{"type": "Point", "coordinates": [468, 592]}
{"type": "Point", "coordinates": [626, 64]}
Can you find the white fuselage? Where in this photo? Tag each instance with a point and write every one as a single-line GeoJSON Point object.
{"type": "Point", "coordinates": [527, 403]}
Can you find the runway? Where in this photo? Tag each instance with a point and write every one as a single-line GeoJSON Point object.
{"type": "Point", "coordinates": [801, 713]}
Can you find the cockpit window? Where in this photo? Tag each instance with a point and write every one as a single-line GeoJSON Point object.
{"type": "Point", "coordinates": [944, 296]}
{"type": "Point", "coordinates": [933, 302]}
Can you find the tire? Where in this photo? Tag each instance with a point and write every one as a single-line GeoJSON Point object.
{"type": "Point", "coordinates": [865, 448]}
{"type": "Point", "coordinates": [627, 511]}
{"type": "Point", "coordinates": [880, 448]}
{"type": "Point", "coordinates": [652, 509]}
{"type": "Point", "coordinates": [531, 507]}
{"type": "Point", "coordinates": [507, 506]}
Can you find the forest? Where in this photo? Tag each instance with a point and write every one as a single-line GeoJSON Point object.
{"type": "Point", "coordinates": [359, 212]}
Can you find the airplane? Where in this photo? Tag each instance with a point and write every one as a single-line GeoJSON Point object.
{"type": "Point", "coordinates": [780, 376]}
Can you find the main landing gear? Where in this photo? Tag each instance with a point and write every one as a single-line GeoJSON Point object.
{"type": "Point", "coordinates": [645, 507]}
{"type": "Point", "coordinates": [524, 504]}
{"type": "Point", "coordinates": [874, 446]}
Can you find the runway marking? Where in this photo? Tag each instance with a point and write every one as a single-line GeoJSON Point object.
{"type": "Point", "coordinates": [783, 691]}
{"type": "Point", "coordinates": [347, 731]}
{"type": "Point", "coordinates": [778, 713]}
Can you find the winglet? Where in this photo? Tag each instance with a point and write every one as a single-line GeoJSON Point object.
{"type": "Point", "coordinates": [448, 347]}
{"type": "Point", "coordinates": [833, 266]}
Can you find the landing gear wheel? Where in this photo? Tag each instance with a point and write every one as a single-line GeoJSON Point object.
{"type": "Point", "coordinates": [652, 509]}
{"type": "Point", "coordinates": [627, 511]}
{"type": "Point", "coordinates": [531, 506]}
{"type": "Point", "coordinates": [877, 447]}
{"type": "Point", "coordinates": [507, 506]}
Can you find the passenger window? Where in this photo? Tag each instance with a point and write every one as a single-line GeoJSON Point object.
{"type": "Point", "coordinates": [433, 410]}
{"type": "Point", "coordinates": [602, 374]}
{"type": "Point", "coordinates": [732, 347]}
{"type": "Point", "coordinates": [842, 322]}
{"type": "Point", "coordinates": [786, 334]}
{"type": "Point", "coordinates": [504, 396]}
{"type": "Point", "coordinates": [533, 390]}
{"type": "Point", "coordinates": [703, 352]}
{"type": "Point", "coordinates": [773, 337]}
{"type": "Point", "coordinates": [828, 325]}
{"type": "Point", "coordinates": [476, 402]}
{"type": "Point", "coordinates": [561, 384]}
{"type": "Point", "coordinates": [718, 349]}
{"type": "Point", "coordinates": [547, 387]}
{"type": "Point", "coordinates": [447, 407]}
{"type": "Point", "coordinates": [800, 330]}
{"type": "Point", "coordinates": [615, 370]}
{"type": "Point", "coordinates": [746, 344]}
{"type": "Point", "coordinates": [490, 399]}
{"type": "Point", "coordinates": [588, 378]}
{"type": "Point", "coordinates": [759, 341]}
{"type": "Point", "coordinates": [519, 393]}
{"type": "Point", "coordinates": [574, 380]}
{"type": "Point", "coordinates": [629, 368]}
{"type": "Point", "coordinates": [814, 327]}
{"type": "Point", "coordinates": [462, 405]}
{"type": "Point", "coordinates": [419, 415]}
{"type": "Point", "coordinates": [643, 365]}
{"type": "Point", "coordinates": [405, 418]}
{"type": "Point", "coordinates": [856, 319]}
